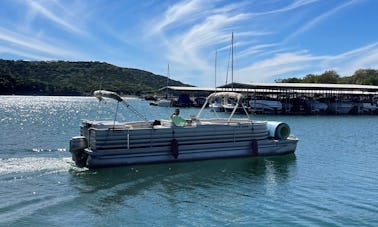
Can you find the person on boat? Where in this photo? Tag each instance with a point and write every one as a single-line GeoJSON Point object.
{"type": "Point", "coordinates": [177, 119]}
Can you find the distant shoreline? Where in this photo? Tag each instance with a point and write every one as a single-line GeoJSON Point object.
{"type": "Point", "coordinates": [27, 95]}
{"type": "Point", "coordinates": [64, 78]}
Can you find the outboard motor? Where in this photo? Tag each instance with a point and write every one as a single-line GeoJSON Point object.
{"type": "Point", "coordinates": [77, 146]}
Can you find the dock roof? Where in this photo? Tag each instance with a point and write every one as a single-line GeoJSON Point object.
{"type": "Point", "coordinates": [278, 87]}
{"type": "Point", "coordinates": [305, 86]}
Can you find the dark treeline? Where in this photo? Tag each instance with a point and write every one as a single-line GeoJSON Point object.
{"type": "Point", "coordinates": [361, 77]}
{"type": "Point", "coordinates": [75, 78]}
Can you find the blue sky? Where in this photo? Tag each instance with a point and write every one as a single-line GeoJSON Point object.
{"type": "Point", "coordinates": [273, 39]}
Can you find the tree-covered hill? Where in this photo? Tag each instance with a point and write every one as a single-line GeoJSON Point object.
{"type": "Point", "coordinates": [75, 78]}
{"type": "Point", "coordinates": [361, 77]}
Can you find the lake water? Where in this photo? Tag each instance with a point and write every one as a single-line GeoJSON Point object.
{"type": "Point", "coordinates": [332, 180]}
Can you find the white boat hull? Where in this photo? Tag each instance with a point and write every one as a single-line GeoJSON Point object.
{"type": "Point", "coordinates": [216, 107]}
{"type": "Point", "coordinates": [164, 103]}
{"type": "Point", "coordinates": [265, 106]}
{"type": "Point", "coordinates": [230, 107]}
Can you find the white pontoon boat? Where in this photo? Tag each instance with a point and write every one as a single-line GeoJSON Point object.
{"type": "Point", "coordinates": [110, 143]}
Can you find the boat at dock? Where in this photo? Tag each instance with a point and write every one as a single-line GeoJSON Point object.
{"type": "Point", "coordinates": [316, 107]}
{"type": "Point", "coordinates": [162, 103]}
{"type": "Point", "coordinates": [265, 106]}
{"type": "Point", "coordinates": [231, 106]}
{"type": "Point", "coordinates": [369, 107]}
{"type": "Point", "coordinates": [104, 143]}
{"type": "Point", "coordinates": [340, 107]}
{"type": "Point", "coordinates": [216, 105]}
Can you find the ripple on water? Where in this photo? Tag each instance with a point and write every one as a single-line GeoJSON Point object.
{"type": "Point", "coordinates": [43, 185]}
{"type": "Point", "coordinates": [330, 181]}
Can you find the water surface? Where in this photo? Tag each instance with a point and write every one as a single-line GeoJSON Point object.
{"type": "Point", "coordinates": [330, 181]}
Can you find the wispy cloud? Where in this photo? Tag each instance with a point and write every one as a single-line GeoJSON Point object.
{"type": "Point", "coordinates": [346, 63]}
{"type": "Point", "coordinates": [56, 18]}
{"type": "Point", "coordinates": [40, 29]}
{"type": "Point", "coordinates": [27, 55]}
{"type": "Point", "coordinates": [293, 6]}
{"type": "Point", "coordinates": [292, 64]}
{"type": "Point", "coordinates": [252, 50]}
{"type": "Point", "coordinates": [203, 29]}
{"type": "Point", "coordinates": [190, 36]}
{"type": "Point", "coordinates": [27, 46]}
{"type": "Point", "coordinates": [22, 41]}
{"type": "Point", "coordinates": [281, 63]}
{"type": "Point", "coordinates": [320, 18]}
{"type": "Point", "coordinates": [178, 12]}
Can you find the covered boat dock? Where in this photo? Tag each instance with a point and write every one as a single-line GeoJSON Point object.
{"type": "Point", "coordinates": [301, 88]}
{"type": "Point", "coordinates": [296, 98]}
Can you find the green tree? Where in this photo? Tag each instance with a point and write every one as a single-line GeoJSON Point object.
{"type": "Point", "coordinates": [75, 78]}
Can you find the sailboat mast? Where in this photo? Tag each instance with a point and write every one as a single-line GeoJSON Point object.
{"type": "Point", "coordinates": [167, 74]}
{"type": "Point", "coordinates": [166, 88]}
{"type": "Point", "coordinates": [215, 70]}
{"type": "Point", "coordinates": [232, 61]}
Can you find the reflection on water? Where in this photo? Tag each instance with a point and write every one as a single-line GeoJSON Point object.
{"type": "Point", "coordinates": [170, 181]}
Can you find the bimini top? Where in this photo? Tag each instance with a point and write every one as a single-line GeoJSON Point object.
{"type": "Point", "coordinates": [107, 94]}
{"type": "Point", "coordinates": [101, 94]}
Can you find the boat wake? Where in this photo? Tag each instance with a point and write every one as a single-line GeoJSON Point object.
{"type": "Point", "coordinates": [27, 167]}
{"type": "Point", "coordinates": [35, 183]}
{"type": "Point", "coordinates": [48, 150]}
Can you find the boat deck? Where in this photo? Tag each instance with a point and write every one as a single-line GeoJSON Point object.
{"type": "Point", "coordinates": [98, 125]}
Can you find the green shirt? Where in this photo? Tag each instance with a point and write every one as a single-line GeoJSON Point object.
{"type": "Point", "coordinates": [178, 120]}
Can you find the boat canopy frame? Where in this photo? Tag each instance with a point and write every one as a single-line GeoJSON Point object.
{"type": "Point", "coordinates": [225, 95]}
{"type": "Point", "coordinates": [101, 94]}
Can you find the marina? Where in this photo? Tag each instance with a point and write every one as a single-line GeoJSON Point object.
{"type": "Point", "coordinates": [290, 98]}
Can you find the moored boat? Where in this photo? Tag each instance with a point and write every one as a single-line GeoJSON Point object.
{"type": "Point", "coordinates": [216, 106]}
{"type": "Point", "coordinates": [265, 106]}
{"type": "Point", "coordinates": [369, 107]}
{"type": "Point", "coordinates": [111, 143]}
{"type": "Point", "coordinates": [340, 107]}
{"type": "Point", "coordinates": [233, 103]}
{"type": "Point", "coordinates": [164, 103]}
{"type": "Point", "coordinates": [316, 107]}
{"type": "Point", "coordinates": [229, 107]}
